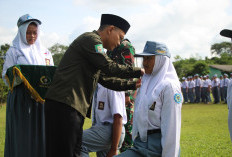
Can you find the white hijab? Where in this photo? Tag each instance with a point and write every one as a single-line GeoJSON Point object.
{"type": "Point", "coordinates": [35, 54]}
{"type": "Point", "coordinates": [152, 85]}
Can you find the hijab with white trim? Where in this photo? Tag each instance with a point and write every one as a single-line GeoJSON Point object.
{"type": "Point", "coordinates": [152, 85]}
{"type": "Point", "coordinates": [35, 54]}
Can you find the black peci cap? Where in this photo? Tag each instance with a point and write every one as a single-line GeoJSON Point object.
{"type": "Point", "coordinates": [110, 19]}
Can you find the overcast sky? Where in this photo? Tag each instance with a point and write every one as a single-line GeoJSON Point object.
{"type": "Point", "coordinates": [187, 27]}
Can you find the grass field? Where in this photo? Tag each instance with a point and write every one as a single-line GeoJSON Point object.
{"type": "Point", "coordinates": [204, 131]}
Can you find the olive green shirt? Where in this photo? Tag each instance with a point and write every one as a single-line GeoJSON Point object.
{"type": "Point", "coordinates": [84, 65]}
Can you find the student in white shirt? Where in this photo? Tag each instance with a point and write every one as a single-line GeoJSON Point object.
{"type": "Point", "coordinates": [215, 89]}
{"type": "Point", "coordinates": [228, 33]}
{"type": "Point", "coordinates": [157, 115]}
{"type": "Point", "coordinates": [26, 47]}
{"type": "Point", "coordinates": [184, 88]}
{"type": "Point", "coordinates": [221, 91]}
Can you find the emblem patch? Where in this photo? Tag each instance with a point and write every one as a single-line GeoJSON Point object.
{"type": "Point", "coordinates": [99, 48]}
{"type": "Point", "coordinates": [153, 106]}
{"type": "Point", "coordinates": [47, 61]}
{"type": "Point", "coordinates": [101, 105]}
{"type": "Point", "coordinates": [178, 98]}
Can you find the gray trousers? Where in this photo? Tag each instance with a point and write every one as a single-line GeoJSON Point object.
{"type": "Point", "coordinates": [151, 148]}
{"type": "Point", "coordinates": [198, 94]}
{"type": "Point", "coordinates": [185, 94]}
{"type": "Point", "coordinates": [222, 93]}
{"type": "Point", "coordinates": [225, 94]}
{"type": "Point", "coordinates": [98, 139]}
{"type": "Point", "coordinates": [215, 92]}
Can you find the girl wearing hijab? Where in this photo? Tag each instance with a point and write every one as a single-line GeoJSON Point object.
{"type": "Point", "coordinates": [27, 47]}
{"type": "Point", "coordinates": [157, 115]}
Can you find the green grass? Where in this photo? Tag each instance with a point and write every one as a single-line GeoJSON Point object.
{"type": "Point", "coordinates": [2, 128]}
{"type": "Point", "coordinates": [204, 131]}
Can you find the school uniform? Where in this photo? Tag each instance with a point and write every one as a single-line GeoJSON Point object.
{"type": "Point", "coordinates": [184, 86]}
{"type": "Point", "coordinates": [226, 82]}
{"type": "Point", "coordinates": [98, 138]}
{"type": "Point", "coordinates": [210, 84]}
{"type": "Point", "coordinates": [205, 91]}
{"type": "Point", "coordinates": [229, 102]}
{"type": "Point", "coordinates": [157, 115]}
{"type": "Point", "coordinates": [221, 90]}
{"type": "Point", "coordinates": [215, 90]}
{"type": "Point", "coordinates": [191, 90]}
{"type": "Point", "coordinates": [198, 90]}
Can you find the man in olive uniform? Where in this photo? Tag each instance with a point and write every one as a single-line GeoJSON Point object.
{"type": "Point", "coordinates": [68, 100]}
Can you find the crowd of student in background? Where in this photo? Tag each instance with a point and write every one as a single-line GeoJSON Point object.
{"type": "Point", "coordinates": [198, 89]}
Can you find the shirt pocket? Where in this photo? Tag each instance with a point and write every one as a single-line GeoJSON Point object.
{"type": "Point", "coordinates": [154, 113]}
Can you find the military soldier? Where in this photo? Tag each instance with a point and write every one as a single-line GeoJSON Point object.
{"type": "Point", "coordinates": [221, 88]}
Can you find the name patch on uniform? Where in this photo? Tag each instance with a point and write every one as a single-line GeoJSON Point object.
{"type": "Point", "coordinates": [99, 48]}
{"type": "Point", "coordinates": [153, 106]}
{"type": "Point", "coordinates": [101, 105]}
{"type": "Point", "coordinates": [178, 98]}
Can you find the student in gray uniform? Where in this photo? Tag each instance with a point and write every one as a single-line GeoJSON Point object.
{"type": "Point", "coordinates": [210, 84]}
{"type": "Point", "coordinates": [215, 89]}
{"type": "Point", "coordinates": [205, 90]}
{"type": "Point", "coordinates": [157, 115]}
{"type": "Point", "coordinates": [107, 133]}
{"type": "Point", "coordinates": [228, 33]}
{"type": "Point", "coordinates": [197, 88]}
{"type": "Point", "coordinates": [184, 88]}
{"type": "Point", "coordinates": [191, 90]}
{"type": "Point", "coordinates": [226, 82]}
{"type": "Point", "coordinates": [221, 88]}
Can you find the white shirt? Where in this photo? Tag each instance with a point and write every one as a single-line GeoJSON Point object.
{"type": "Point", "coordinates": [226, 82]}
{"type": "Point", "coordinates": [184, 84]}
{"type": "Point", "coordinates": [215, 82]}
{"type": "Point", "coordinates": [109, 103]}
{"type": "Point", "coordinates": [198, 82]}
{"type": "Point", "coordinates": [206, 83]}
{"type": "Point", "coordinates": [192, 84]}
{"type": "Point", "coordinates": [221, 83]}
{"type": "Point", "coordinates": [165, 114]}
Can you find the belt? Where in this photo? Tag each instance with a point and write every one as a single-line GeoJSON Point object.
{"type": "Point", "coordinates": [106, 123]}
{"type": "Point", "coordinates": [153, 131]}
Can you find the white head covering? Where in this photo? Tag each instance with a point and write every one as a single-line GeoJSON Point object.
{"type": "Point", "coordinates": [35, 54]}
{"type": "Point", "coordinates": [152, 85]}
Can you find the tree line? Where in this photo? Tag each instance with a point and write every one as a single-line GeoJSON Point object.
{"type": "Point", "coordinates": [184, 67]}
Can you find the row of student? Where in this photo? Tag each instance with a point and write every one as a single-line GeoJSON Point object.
{"type": "Point", "coordinates": [197, 89]}
{"type": "Point", "coordinates": [85, 80]}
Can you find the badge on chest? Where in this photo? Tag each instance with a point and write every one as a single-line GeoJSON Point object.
{"type": "Point", "coordinates": [101, 105]}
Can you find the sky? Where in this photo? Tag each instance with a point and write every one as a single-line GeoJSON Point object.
{"type": "Point", "coordinates": [187, 27]}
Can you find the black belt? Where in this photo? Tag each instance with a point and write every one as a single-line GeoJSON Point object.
{"type": "Point", "coordinates": [153, 131]}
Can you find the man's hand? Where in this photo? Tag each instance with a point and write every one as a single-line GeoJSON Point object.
{"type": "Point", "coordinates": [138, 83]}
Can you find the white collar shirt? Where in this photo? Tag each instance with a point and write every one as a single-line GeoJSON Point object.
{"type": "Point", "coordinates": [109, 103]}
{"type": "Point", "coordinates": [165, 109]}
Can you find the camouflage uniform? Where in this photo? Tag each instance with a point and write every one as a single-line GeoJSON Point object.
{"type": "Point", "coordinates": [124, 54]}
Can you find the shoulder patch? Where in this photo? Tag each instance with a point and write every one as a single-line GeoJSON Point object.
{"type": "Point", "coordinates": [99, 48]}
{"type": "Point", "coordinates": [178, 98]}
